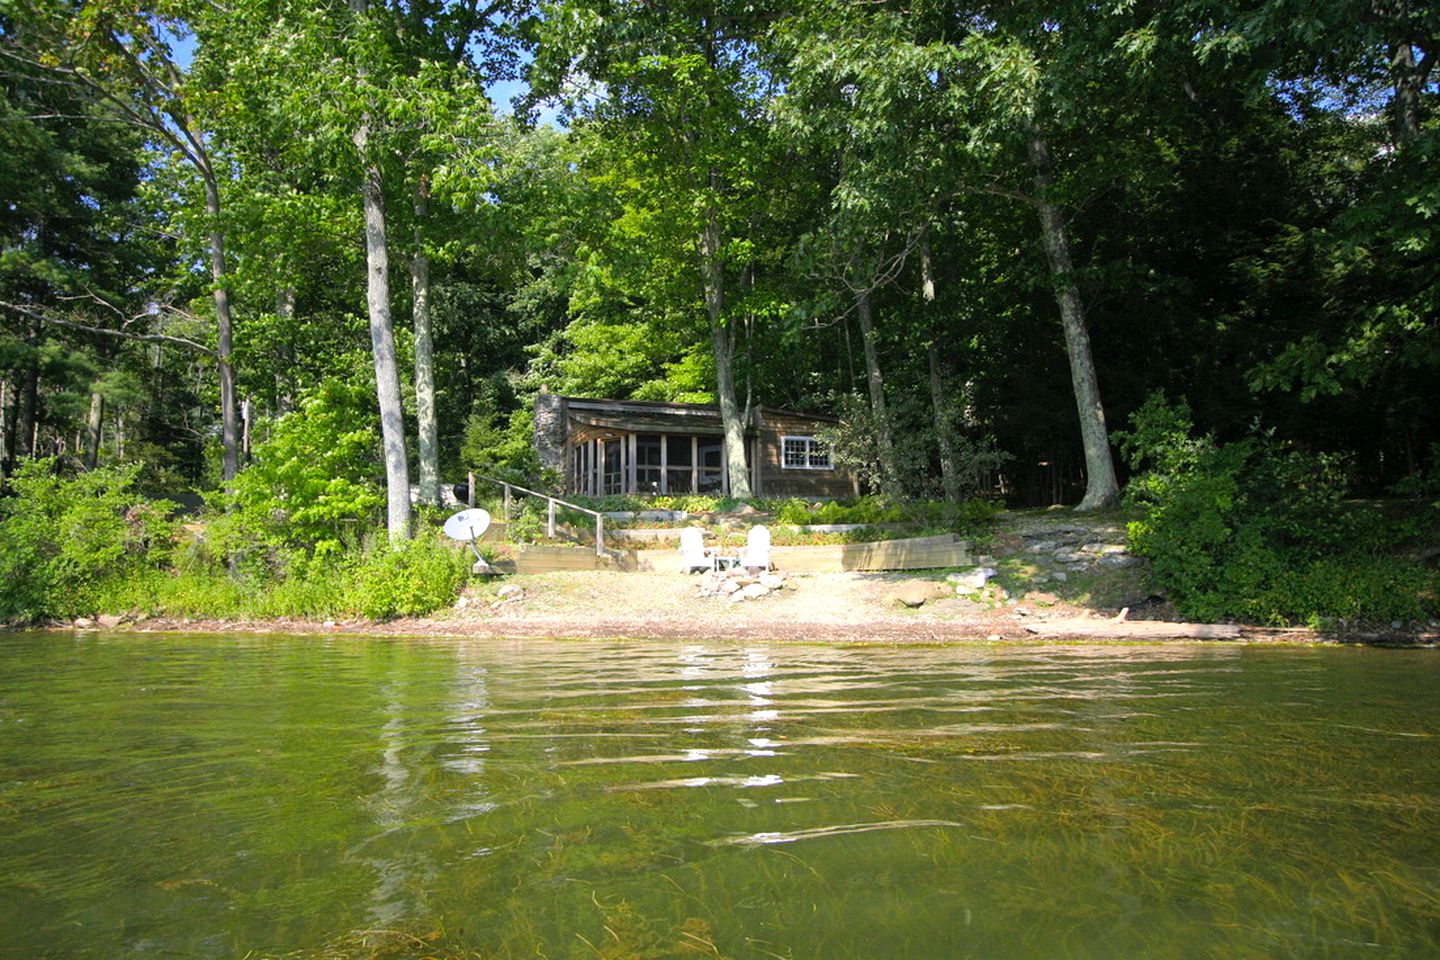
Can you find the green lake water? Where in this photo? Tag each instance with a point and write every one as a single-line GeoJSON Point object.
{"type": "Point", "coordinates": [201, 796]}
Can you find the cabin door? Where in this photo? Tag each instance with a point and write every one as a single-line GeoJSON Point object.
{"type": "Point", "coordinates": [614, 473]}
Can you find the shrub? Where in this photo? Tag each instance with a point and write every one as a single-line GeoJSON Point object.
{"type": "Point", "coordinates": [407, 580]}
{"type": "Point", "coordinates": [1260, 531]}
{"type": "Point", "coordinates": [63, 538]}
{"type": "Point", "coordinates": [313, 482]}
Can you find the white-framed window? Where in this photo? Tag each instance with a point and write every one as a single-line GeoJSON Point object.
{"type": "Point", "coordinates": [804, 453]}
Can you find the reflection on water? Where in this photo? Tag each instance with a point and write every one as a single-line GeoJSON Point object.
{"type": "Point", "coordinates": [218, 797]}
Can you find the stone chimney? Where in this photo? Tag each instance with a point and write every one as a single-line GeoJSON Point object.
{"type": "Point", "coordinates": [550, 430]}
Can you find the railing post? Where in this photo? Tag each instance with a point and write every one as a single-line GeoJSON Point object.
{"type": "Point", "coordinates": [470, 490]}
{"type": "Point", "coordinates": [551, 501]}
{"type": "Point", "coordinates": [599, 535]}
{"type": "Point", "coordinates": [506, 488]}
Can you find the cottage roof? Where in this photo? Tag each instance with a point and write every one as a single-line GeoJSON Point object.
{"type": "Point", "coordinates": [653, 416]}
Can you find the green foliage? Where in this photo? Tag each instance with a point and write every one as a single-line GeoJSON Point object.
{"type": "Point", "coordinates": [504, 452]}
{"type": "Point", "coordinates": [63, 539]}
{"type": "Point", "coordinates": [407, 580]}
{"type": "Point", "coordinates": [313, 483]}
{"type": "Point", "coordinates": [1260, 531]}
{"type": "Point", "coordinates": [380, 582]}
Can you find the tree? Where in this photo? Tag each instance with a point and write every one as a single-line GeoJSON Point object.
{"type": "Point", "coordinates": [685, 94]}
{"type": "Point", "coordinates": [123, 56]}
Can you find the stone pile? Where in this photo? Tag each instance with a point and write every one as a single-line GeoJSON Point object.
{"type": "Point", "coordinates": [1060, 550]}
{"type": "Point", "coordinates": [738, 585]}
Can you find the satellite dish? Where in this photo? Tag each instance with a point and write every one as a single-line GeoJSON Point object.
{"type": "Point", "coordinates": [468, 525]}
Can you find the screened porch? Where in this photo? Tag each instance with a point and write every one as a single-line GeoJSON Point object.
{"type": "Point", "coordinates": [605, 462]}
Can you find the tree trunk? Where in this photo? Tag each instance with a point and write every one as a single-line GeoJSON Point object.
{"type": "Point", "coordinates": [27, 402]}
{"type": "Point", "coordinates": [7, 424]}
{"type": "Point", "coordinates": [382, 332]}
{"type": "Point", "coordinates": [944, 440]}
{"type": "Point", "coordinates": [284, 380]}
{"type": "Point", "coordinates": [1408, 86]}
{"type": "Point", "coordinates": [94, 427]}
{"type": "Point", "coordinates": [229, 435]}
{"type": "Point", "coordinates": [1101, 488]}
{"type": "Point", "coordinates": [722, 337]}
{"type": "Point", "coordinates": [885, 446]}
{"type": "Point", "coordinates": [1408, 75]}
{"type": "Point", "coordinates": [429, 430]}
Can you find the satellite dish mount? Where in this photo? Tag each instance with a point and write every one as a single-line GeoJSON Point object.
{"type": "Point", "coordinates": [468, 526]}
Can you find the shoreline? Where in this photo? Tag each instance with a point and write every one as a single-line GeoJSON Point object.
{"type": "Point", "coordinates": [886, 631]}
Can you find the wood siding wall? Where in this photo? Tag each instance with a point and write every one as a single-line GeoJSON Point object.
{"type": "Point", "coordinates": [777, 481]}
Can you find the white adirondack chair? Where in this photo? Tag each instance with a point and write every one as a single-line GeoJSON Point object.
{"type": "Point", "coordinates": [693, 555]}
{"type": "Point", "coordinates": [756, 552]}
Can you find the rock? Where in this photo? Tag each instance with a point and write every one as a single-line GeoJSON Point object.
{"type": "Point", "coordinates": [1120, 560]}
{"type": "Point", "coordinates": [736, 597]}
{"type": "Point", "coordinates": [772, 581]}
{"type": "Point", "coordinates": [84, 623]}
{"type": "Point", "coordinates": [1042, 546]}
{"type": "Point", "coordinates": [109, 621]}
{"type": "Point", "coordinates": [1042, 599]}
{"type": "Point", "coordinates": [754, 591]}
{"type": "Point", "coordinates": [462, 603]}
{"type": "Point", "coordinates": [510, 591]}
{"type": "Point", "coordinates": [1067, 556]}
{"type": "Point", "coordinates": [481, 568]}
{"type": "Point", "coordinates": [973, 580]}
{"type": "Point", "coordinates": [914, 593]}
{"type": "Point", "coordinates": [1059, 576]}
{"type": "Point", "coordinates": [328, 624]}
{"type": "Point", "coordinates": [986, 561]}
{"type": "Point", "coordinates": [1022, 611]}
{"type": "Point", "coordinates": [730, 587]}
{"type": "Point", "coordinates": [993, 638]}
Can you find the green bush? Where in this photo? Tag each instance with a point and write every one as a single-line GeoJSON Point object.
{"type": "Point", "coordinates": [380, 583]}
{"type": "Point", "coordinates": [1259, 531]}
{"type": "Point", "coordinates": [313, 483]}
{"type": "Point", "coordinates": [63, 539]}
{"type": "Point", "coordinates": [408, 580]}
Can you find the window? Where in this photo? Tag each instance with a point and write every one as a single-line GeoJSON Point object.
{"type": "Point", "coordinates": [804, 453]}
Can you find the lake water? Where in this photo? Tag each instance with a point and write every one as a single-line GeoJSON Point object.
{"type": "Point", "coordinates": [202, 796]}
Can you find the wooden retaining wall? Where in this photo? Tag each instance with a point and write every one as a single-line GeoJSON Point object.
{"type": "Point", "coordinates": [915, 553]}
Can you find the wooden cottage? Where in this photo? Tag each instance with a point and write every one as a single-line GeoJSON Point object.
{"type": "Point", "coordinates": [606, 447]}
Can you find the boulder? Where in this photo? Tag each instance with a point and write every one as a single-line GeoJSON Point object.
{"type": "Point", "coordinates": [510, 591]}
{"type": "Point", "coordinates": [772, 581]}
{"type": "Point", "coordinates": [973, 580]}
{"type": "Point", "coordinates": [915, 593]}
{"type": "Point", "coordinates": [754, 591]}
{"type": "Point", "coordinates": [1042, 599]}
{"type": "Point", "coordinates": [84, 623]}
{"type": "Point", "coordinates": [109, 621]}
{"type": "Point", "coordinates": [730, 587]}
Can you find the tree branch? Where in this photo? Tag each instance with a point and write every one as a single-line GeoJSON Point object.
{"type": "Point", "coordinates": [46, 317]}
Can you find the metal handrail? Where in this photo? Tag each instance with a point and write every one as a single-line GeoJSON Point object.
{"type": "Point", "coordinates": [506, 487]}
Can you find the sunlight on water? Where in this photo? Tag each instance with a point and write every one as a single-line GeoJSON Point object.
{"type": "Point", "coordinates": [222, 797]}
